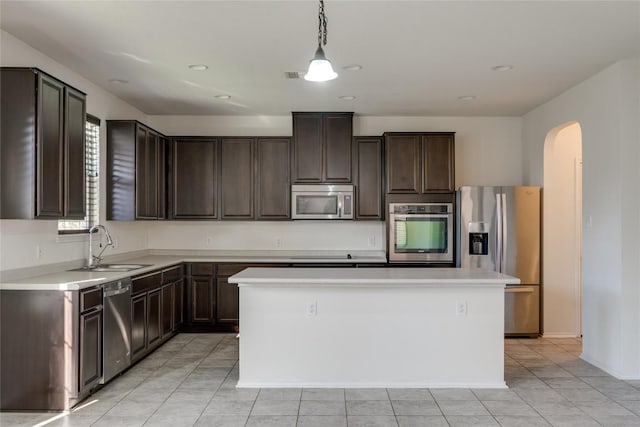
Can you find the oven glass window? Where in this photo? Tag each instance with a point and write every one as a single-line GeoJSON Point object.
{"type": "Point", "coordinates": [317, 205]}
{"type": "Point", "coordinates": [421, 235]}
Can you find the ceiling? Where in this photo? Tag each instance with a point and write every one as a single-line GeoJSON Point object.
{"type": "Point", "coordinates": [418, 57]}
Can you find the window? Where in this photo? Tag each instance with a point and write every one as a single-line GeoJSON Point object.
{"type": "Point", "coordinates": [92, 164]}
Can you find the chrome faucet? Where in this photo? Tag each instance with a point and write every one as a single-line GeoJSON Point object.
{"type": "Point", "coordinates": [95, 260]}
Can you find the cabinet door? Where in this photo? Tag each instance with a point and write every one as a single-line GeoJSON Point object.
{"type": "Point", "coordinates": [90, 349]}
{"type": "Point", "coordinates": [403, 163]}
{"type": "Point", "coordinates": [307, 147]}
{"type": "Point", "coordinates": [154, 317]}
{"type": "Point", "coordinates": [168, 301]}
{"type": "Point", "coordinates": [236, 180]}
{"type": "Point", "coordinates": [178, 306]}
{"type": "Point", "coordinates": [122, 142]}
{"type": "Point", "coordinates": [50, 150]}
{"type": "Point", "coordinates": [195, 178]}
{"type": "Point", "coordinates": [146, 173]}
{"type": "Point", "coordinates": [337, 147]}
{"type": "Point", "coordinates": [273, 192]}
{"type": "Point", "coordinates": [138, 325]}
{"type": "Point", "coordinates": [438, 163]}
{"type": "Point", "coordinates": [142, 157]}
{"type": "Point", "coordinates": [227, 301]}
{"type": "Point", "coordinates": [201, 294]}
{"type": "Point", "coordinates": [75, 175]}
{"type": "Point", "coordinates": [368, 173]}
{"type": "Point", "coordinates": [162, 177]}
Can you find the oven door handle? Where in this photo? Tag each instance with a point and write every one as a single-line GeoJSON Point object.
{"type": "Point", "coordinates": [409, 216]}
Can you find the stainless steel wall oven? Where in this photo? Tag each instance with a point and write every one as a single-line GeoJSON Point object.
{"type": "Point", "coordinates": [421, 232]}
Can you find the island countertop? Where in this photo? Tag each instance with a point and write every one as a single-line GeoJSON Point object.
{"type": "Point", "coordinates": [395, 276]}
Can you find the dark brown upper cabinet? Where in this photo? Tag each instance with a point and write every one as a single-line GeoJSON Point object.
{"type": "Point", "coordinates": [367, 171]}
{"type": "Point", "coordinates": [273, 179]}
{"type": "Point", "coordinates": [237, 178]}
{"type": "Point", "coordinates": [322, 147]}
{"type": "Point", "coordinates": [419, 163]}
{"type": "Point", "coordinates": [42, 123]}
{"type": "Point", "coordinates": [194, 178]}
{"type": "Point", "coordinates": [254, 181]}
{"type": "Point", "coordinates": [136, 182]}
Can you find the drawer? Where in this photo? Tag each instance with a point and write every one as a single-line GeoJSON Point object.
{"type": "Point", "coordinates": [172, 274]}
{"type": "Point", "coordinates": [90, 298]}
{"type": "Point", "coordinates": [146, 282]}
{"type": "Point", "coordinates": [202, 269]}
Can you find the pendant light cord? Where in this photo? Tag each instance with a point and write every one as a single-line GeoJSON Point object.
{"type": "Point", "coordinates": [322, 25]}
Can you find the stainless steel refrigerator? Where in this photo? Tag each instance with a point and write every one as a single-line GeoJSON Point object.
{"type": "Point", "coordinates": [499, 229]}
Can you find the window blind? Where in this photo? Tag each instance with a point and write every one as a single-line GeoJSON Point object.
{"type": "Point", "coordinates": [92, 165]}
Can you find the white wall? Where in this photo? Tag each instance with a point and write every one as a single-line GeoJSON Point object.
{"type": "Point", "coordinates": [607, 108]}
{"type": "Point", "coordinates": [561, 240]}
{"type": "Point", "coordinates": [19, 240]}
{"type": "Point", "coordinates": [265, 235]}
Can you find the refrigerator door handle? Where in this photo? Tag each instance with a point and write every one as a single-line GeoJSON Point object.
{"type": "Point", "coordinates": [499, 232]}
{"type": "Point", "coordinates": [504, 231]}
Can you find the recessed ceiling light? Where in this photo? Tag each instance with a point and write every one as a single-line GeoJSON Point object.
{"type": "Point", "coordinates": [223, 96]}
{"type": "Point", "coordinates": [119, 81]}
{"type": "Point", "coordinates": [352, 67]}
{"type": "Point", "coordinates": [198, 67]}
{"type": "Point", "coordinates": [467, 98]}
{"type": "Point", "coordinates": [347, 97]}
{"type": "Point", "coordinates": [505, 67]}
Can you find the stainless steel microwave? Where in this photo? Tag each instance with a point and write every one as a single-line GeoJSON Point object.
{"type": "Point", "coordinates": [322, 201]}
{"type": "Point", "coordinates": [421, 232]}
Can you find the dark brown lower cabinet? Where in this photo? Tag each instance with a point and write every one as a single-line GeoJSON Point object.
{"type": "Point", "coordinates": [167, 309]}
{"type": "Point", "coordinates": [178, 306]}
{"type": "Point", "coordinates": [138, 325]}
{"type": "Point", "coordinates": [90, 348]}
{"type": "Point", "coordinates": [227, 301]}
{"type": "Point", "coordinates": [201, 294]}
{"type": "Point", "coordinates": [154, 317]}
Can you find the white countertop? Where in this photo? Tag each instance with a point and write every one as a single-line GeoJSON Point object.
{"type": "Point", "coordinates": [394, 276]}
{"type": "Point", "coordinates": [75, 280]}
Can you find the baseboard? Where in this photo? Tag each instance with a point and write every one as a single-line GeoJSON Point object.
{"type": "Point", "coordinates": [560, 335]}
{"type": "Point", "coordinates": [260, 384]}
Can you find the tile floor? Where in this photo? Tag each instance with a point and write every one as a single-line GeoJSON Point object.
{"type": "Point", "coordinates": [191, 381]}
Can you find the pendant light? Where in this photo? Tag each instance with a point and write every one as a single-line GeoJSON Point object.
{"type": "Point", "coordinates": [320, 69]}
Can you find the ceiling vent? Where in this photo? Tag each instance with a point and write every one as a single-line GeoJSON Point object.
{"type": "Point", "coordinates": [291, 74]}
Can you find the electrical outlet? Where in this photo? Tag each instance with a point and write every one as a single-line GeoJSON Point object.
{"type": "Point", "coordinates": [209, 241]}
{"type": "Point", "coordinates": [461, 308]}
{"type": "Point", "coordinates": [372, 241]}
{"type": "Point", "coordinates": [312, 309]}
{"type": "Point", "coordinates": [38, 252]}
{"type": "Point", "coordinates": [278, 242]}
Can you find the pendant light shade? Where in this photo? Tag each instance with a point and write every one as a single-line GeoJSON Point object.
{"type": "Point", "coordinates": [320, 69]}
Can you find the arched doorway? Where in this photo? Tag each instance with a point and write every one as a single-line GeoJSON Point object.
{"type": "Point", "coordinates": [562, 232]}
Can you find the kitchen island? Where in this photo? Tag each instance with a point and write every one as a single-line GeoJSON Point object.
{"type": "Point", "coordinates": [371, 327]}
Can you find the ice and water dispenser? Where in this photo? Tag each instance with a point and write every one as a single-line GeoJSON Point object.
{"type": "Point", "coordinates": [478, 238]}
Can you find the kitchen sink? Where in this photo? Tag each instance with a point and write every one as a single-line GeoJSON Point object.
{"type": "Point", "coordinates": [111, 267]}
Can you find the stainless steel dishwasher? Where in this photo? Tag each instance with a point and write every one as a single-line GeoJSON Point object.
{"type": "Point", "coordinates": [116, 329]}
